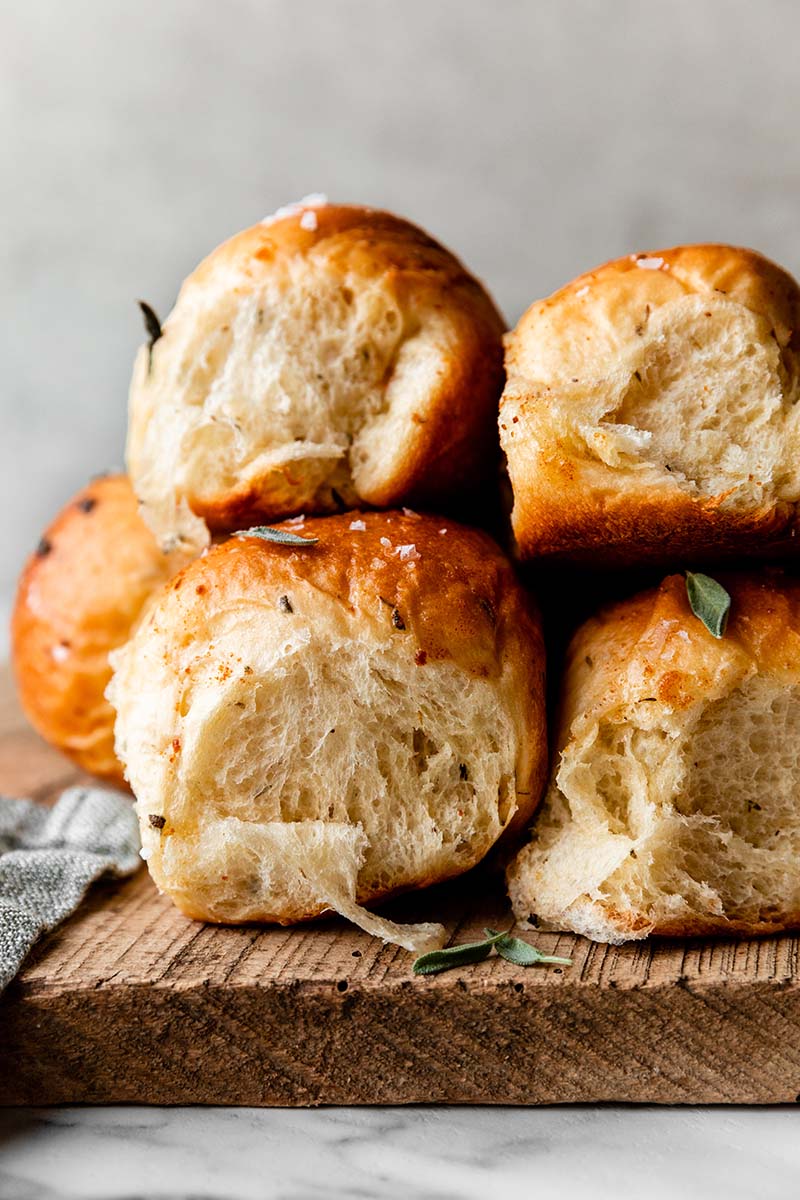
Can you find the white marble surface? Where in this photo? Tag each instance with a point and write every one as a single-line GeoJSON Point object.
{"type": "Point", "coordinates": [398, 1154]}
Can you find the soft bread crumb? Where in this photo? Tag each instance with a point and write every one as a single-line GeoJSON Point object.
{"type": "Point", "coordinates": [695, 821]}
{"type": "Point", "coordinates": [314, 862]}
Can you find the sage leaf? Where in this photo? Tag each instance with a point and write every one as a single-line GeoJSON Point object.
{"type": "Point", "coordinates": [455, 956]}
{"type": "Point", "coordinates": [523, 954]}
{"type": "Point", "coordinates": [709, 602]}
{"type": "Point", "coordinates": [281, 537]}
{"type": "Point", "coordinates": [153, 327]}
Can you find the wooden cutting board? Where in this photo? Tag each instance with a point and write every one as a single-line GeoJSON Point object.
{"type": "Point", "coordinates": [131, 1002]}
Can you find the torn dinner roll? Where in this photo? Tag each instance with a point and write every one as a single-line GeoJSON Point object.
{"type": "Point", "coordinates": [328, 357]}
{"type": "Point", "coordinates": [674, 804]}
{"type": "Point", "coordinates": [79, 595]}
{"type": "Point", "coordinates": [316, 727]}
{"type": "Point", "coordinates": [651, 411]}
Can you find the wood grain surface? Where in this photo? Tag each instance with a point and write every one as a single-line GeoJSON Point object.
{"type": "Point", "coordinates": [131, 1002]}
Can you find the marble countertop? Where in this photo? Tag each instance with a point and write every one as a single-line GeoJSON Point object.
{"type": "Point", "coordinates": [118, 1153]}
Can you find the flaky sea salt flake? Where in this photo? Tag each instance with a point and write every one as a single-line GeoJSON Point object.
{"type": "Point", "coordinates": [650, 264]}
{"type": "Point", "coordinates": [312, 200]}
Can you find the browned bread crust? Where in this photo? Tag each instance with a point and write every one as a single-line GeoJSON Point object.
{"type": "Point", "coordinates": [624, 417]}
{"type": "Point", "coordinates": [78, 597]}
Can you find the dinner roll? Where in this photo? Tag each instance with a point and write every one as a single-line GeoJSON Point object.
{"type": "Point", "coordinates": [315, 727]}
{"type": "Point", "coordinates": [328, 357]}
{"type": "Point", "coordinates": [78, 596]}
{"type": "Point", "coordinates": [674, 806]}
{"type": "Point", "coordinates": [650, 411]}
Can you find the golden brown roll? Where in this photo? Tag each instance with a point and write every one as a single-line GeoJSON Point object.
{"type": "Point", "coordinates": [317, 727]}
{"type": "Point", "coordinates": [674, 806]}
{"type": "Point", "coordinates": [650, 411]}
{"type": "Point", "coordinates": [78, 597]}
{"type": "Point", "coordinates": [329, 357]}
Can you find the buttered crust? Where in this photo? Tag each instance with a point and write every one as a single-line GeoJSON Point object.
{"type": "Point", "coordinates": [667, 736]}
{"type": "Point", "coordinates": [329, 357]}
{"type": "Point", "coordinates": [650, 411]}
{"type": "Point", "coordinates": [653, 646]}
{"type": "Point", "coordinates": [376, 699]}
{"type": "Point", "coordinates": [78, 597]}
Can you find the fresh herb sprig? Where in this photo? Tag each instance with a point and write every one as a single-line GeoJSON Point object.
{"type": "Point", "coordinates": [512, 949]}
{"type": "Point", "coordinates": [281, 537]}
{"type": "Point", "coordinates": [153, 327]}
{"type": "Point", "coordinates": [455, 956]}
{"type": "Point", "coordinates": [709, 602]}
{"type": "Point", "coordinates": [523, 954]}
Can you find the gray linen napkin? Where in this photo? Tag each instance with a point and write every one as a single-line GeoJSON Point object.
{"type": "Point", "coordinates": [50, 856]}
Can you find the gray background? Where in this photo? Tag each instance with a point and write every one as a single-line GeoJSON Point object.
{"type": "Point", "coordinates": [535, 137]}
